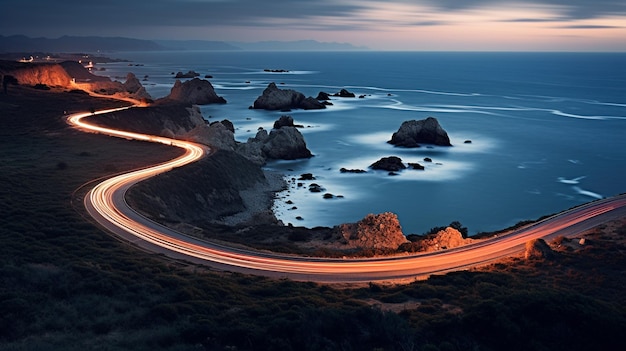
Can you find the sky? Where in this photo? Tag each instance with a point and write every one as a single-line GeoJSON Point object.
{"type": "Point", "coordinates": [432, 25]}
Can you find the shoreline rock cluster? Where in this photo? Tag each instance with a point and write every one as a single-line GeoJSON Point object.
{"type": "Point", "coordinates": [230, 187]}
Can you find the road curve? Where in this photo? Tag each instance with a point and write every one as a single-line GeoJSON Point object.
{"type": "Point", "coordinates": [106, 204]}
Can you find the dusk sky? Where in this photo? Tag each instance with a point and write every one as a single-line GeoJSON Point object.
{"type": "Point", "coordinates": [519, 25]}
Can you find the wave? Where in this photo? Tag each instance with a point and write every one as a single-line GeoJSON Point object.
{"type": "Point", "coordinates": [282, 73]}
{"type": "Point", "coordinates": [570, 181]}
{"type": "Point", "coordinates": [571, 115]}
{"type": "Point", "coordinates": [587, 193]}
{"type": "Point", "coordinates": [236, 87]}
{"type": "Point", "coordinates": [387, 90]}
{"type": "Point", "coordinates": [398, 105]}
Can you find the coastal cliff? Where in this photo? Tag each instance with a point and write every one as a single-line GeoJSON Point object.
{"type": "Point", "coordinates": [71, 75]}
{"type": "Point", "coordinates": [207, 192]}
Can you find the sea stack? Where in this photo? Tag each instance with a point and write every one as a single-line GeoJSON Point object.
{"type": "Point", "coordinates": [415, 132]}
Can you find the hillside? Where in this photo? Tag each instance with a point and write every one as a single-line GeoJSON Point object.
{"type": "Point", "coordinates": [67, 285]}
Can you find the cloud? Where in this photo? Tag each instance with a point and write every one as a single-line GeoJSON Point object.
{"type": "Point", "coordinates": [190, 13]}
{"type": "Point", "coordinates": [569, 9]}
{"type": "Point", "coordinates": [589, 26]}
{"type": "Point", "coordinates": [218, 18]}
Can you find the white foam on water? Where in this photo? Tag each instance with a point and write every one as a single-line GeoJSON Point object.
{"type": "Point", "coordinates": [587, 193]}
{"type": "Point", "coordinates": [531, 164]}
{"type": "Point", "coordinates": [236, 86]}
{"type": "Point", "coordinates": [376, 140]}
{"type": "Point", "coordinates": [571, 115]}
{"type": "Point", "coordinates": [312, 208]}
{"type": "Point", "coordinates": [433, 171]}
{"type": "Point", "coordinates": [570, 181]}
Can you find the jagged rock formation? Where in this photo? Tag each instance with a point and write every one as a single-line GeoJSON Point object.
{"type": "Point", "coordinates": [322, 96]}
{"type": "Point", "coordinates": [216, 134]}
{"type": "Point", "coordinates": [195, 91]}
{"type": "Point", "coordinates": [189, 74]}
{"type": "Point", "coordinates": [443, 239]}
{"type": "Point", "coordinates": [284, 121]}
{"type": "Point", "coordinates": [274, 99]}
{"type": "Point", "coordinates": [538, 249]}
{"type": "Point", "coordinates": [414, 132]}
{"type": "Point", "coordinates": [344, 93]}
{"type": "Point", "coordinates": [375, 231]}
{"type": "Point", "coordinates": [133, 86]}
{"type": "Point", "coordinates": [286, 143]}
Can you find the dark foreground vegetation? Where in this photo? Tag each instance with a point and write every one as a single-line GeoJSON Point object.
{"type": "Point", "coordinates": [67, 285]}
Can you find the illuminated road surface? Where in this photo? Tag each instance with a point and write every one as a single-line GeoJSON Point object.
{"type": "Point", "coordinates": [106, 204]}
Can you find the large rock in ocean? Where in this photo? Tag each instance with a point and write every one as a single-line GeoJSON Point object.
{"type": "Point", "coordinates": [133, 86]}
{"type": "Point", "coordinates": [381, 231]}
{"type": "Point", "coordinates": [286, 143]}
{"type": "Point", "coordinates": [274, 99]}
{"type": "Point", "coordinates": [426, 131]}
{"type": "Point", "coordinates": [195, 91]}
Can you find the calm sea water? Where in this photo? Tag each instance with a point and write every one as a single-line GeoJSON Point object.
{"type": "Point", "coordinates": [548, 130]}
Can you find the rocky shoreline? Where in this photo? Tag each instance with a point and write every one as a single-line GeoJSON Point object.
{"type": "Point", "coordinates": [229, 193]}
{"type": "Point", "coordinates": [258, 200]}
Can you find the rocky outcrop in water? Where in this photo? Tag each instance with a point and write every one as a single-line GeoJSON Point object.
{"type": "Point", "coordinates": [284, 121]}
{"type": "Point", "coordinates": [391, 164]}
{"type": "Point", "coordinates": [133, 86]}
{"type": "Point", "coordinates": [345, 94]}
{"type": "Point", "coordinates": [286, 143]}
{"type": "Point", "coordinates": [415, 132]}
{"type": "Point", "coordinates": [195, 91]}
{"type": "Point", "coordinates": [375, 231]}
{"type": "Point", "coordinates": [274, 99]}
{"type": "Point", "coordinates": [189, 74]}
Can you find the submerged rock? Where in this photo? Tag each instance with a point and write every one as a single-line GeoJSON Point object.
{"type": "Point", "coordinates": [391, 164]}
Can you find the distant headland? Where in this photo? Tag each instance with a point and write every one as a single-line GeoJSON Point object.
{"type": "Point", "coordinates": [66, 44]}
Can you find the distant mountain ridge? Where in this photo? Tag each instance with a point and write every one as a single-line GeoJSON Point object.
{"type": "Point", "coordinates": [21, 43]}
{"type": "Point", "coordinates": [297, 45]}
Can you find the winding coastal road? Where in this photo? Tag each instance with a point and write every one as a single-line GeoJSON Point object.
{"type": "Point", "coordinates": [106, 204]}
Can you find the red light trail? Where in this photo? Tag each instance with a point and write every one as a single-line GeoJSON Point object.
{"type": "Point", "coordinates": [106, 204]}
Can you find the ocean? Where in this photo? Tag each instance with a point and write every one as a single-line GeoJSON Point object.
{"type": "Point", "coordinates": [547, 130]}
